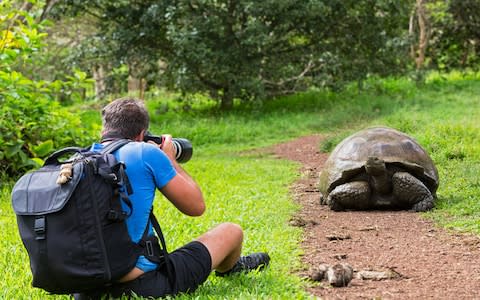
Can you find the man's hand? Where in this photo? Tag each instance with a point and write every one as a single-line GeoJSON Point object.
{"type": "Point", "coordinates": [166, 146]}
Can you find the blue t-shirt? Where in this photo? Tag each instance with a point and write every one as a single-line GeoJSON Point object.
{"type": "Point", "coordinates": [147, 168]}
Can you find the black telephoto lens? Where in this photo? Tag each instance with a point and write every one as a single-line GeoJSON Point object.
{"type": "Point", "coordinates": [183, 149]}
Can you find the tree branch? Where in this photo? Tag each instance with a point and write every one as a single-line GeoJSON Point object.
{"type": "Point", "coordinates": [283, 82]}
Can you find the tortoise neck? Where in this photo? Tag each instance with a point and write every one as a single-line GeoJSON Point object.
{"type": "Point", "coordinates": [381, 183]}
{"type": "Point", "coordinates": [377, 170]}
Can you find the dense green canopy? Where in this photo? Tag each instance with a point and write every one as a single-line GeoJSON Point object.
{"type": "Point", "coordinates": [252, 49]}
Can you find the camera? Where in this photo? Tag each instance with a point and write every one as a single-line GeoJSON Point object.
{"type": "Point", "coordinates": [183, 147]}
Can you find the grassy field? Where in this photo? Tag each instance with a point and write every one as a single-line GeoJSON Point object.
{"type": "Point", "coordinates": [252, 189]}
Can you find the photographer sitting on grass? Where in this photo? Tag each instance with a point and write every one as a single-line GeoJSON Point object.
{"type": "Point", "coordinates": [150, 166]}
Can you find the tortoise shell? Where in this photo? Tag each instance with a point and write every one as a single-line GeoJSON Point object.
{"type": "Point", "coordinates": [348, 158]}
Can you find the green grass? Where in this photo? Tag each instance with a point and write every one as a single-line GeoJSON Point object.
{"type": "Point", "coordinates": [253, 190]}
{"type": "Point", "coordinates": [445, 121]}
{"type": "Point", "coordinates": [233, 193]}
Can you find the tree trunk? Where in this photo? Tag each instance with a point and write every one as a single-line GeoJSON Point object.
{"type": "Point", "coordinates": [136, 85]}
{"type": "Point", "coordinates": [226, 101]}
{"type": "Point", "coordinates": [466, 51]}
{"type": "Point", "coordinates": [100, 86]}
{"type": "Point", "coordinates": [411, 31]}
{"type": "Point", "coordinates": [418, 51]}
{"type": "Point", "coordinates": [47, 8]}
{"type": "Point", "coordinates": [143, 86]}
{"type": "Point", "coordinates": [136, 82]}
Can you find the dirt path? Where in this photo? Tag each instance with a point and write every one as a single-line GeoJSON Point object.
{"type": "Point", "coordinates": [427, 261]}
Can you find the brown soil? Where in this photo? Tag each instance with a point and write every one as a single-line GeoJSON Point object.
{"type": "Point", "coordinates": [428, 262]}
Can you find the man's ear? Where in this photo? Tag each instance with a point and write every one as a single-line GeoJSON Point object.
{"type": "Point", "coordinates": [140, 136]}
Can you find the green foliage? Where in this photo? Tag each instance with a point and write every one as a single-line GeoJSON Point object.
{"type": "Point", "coordinates": [249, 50]}
{"type": "Point", "coordinates": [455, 38]}
{"type": "Point", "coordinates": [279, 119]}
{"type": "Point", "coordinates": [32, 123]}
{"type": "Point", "coordinates": [367, 38]}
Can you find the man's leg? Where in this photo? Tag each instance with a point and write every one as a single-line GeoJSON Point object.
{"type": "Point", "coordinates": [224, 242]}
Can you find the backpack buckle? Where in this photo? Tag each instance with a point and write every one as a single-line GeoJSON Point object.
{"type": "Point", "coordinates": [40, 227]}
{"type": "Point", "coordinates": [149, 247]}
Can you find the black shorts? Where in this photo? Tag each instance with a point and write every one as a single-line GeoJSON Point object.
{"type": "Point", "coordinates": [191, 265]}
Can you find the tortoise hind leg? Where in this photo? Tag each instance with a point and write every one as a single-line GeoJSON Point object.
{"type": "Point", "coordinates": [351, 195]}
{"type": "Point", "coordinates": [411, 192]}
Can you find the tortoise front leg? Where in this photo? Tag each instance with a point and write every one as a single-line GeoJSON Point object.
{"type": "Point", "coordinates": [351, 195]}
{"type": "Point", "coordinates": [411, 192]}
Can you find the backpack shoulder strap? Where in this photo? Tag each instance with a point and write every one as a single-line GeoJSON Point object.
{"type": "Point", "coordinates": [153, 250]}
{"type": "Point", "coordinates": [114, 146]}
{"type": "Point", "coordinates": [120, 176]}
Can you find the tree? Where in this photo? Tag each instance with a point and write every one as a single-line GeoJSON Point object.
{"type": "Point", "coordinates": [366, 38]}
{"type": "Point", "coordinates": [243, 49]}
{"type": "Point", "coordinates": [251, 49]}
{"type": "Point", "coordinates": [455, 38]}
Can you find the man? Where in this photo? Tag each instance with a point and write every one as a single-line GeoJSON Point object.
{"type": "Point", "coordinates": [149, 167]}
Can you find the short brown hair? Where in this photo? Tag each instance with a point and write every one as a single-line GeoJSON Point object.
{"type": "Point", "coordinates": [126, 117]}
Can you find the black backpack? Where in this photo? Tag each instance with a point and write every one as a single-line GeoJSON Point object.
{"type": "Point", "coordinates": [72, 224]}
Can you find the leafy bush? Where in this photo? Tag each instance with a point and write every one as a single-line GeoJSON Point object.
{"type": "Point", "coordinates": [31, 129]}
{"type": "Point", "coordinates": [32, 124]}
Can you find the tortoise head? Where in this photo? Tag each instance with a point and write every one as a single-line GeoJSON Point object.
{"type": "Point", "coordinates": [375, 166]}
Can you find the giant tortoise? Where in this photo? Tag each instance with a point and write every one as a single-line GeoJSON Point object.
{"type": "Point", "coordinates": [379, 168]}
